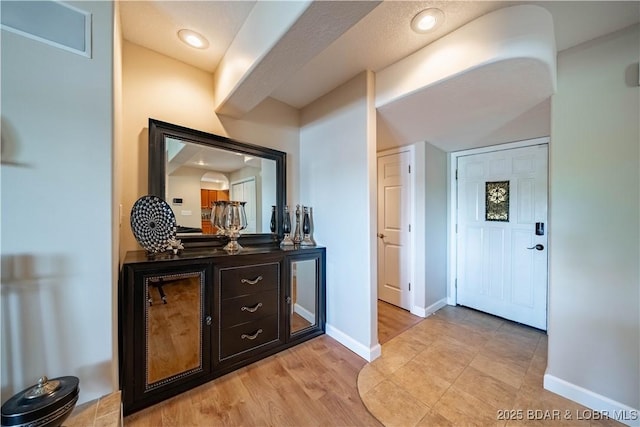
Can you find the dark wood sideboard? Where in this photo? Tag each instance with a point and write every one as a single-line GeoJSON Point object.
{"type": "Point", "coordinates": [189, 318]}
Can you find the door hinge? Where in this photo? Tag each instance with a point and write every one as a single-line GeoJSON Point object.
{"type": "Point", "coordinates": [456, 174]}
{"type": "Point", "coordinates": [409, 228]}
{"type": "Point", "coordinates": [409, 168]}
{"type": "Point", "coordinates": [456, 283]}
{"type": "Point", "coordinates": [409, 285]}
{"type": "Point", "coordinates": [456, 228]}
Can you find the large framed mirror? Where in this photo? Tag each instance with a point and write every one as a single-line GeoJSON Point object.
{"type": "Point", "coordinates": [191, 169]}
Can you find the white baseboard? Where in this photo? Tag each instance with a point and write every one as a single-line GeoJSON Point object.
{"type": "Point", "coordinates": [367, 353]}
{"type": "Point", "coordinates": [451, 301]}
{"type": "Point", "coordinates": [304, 313]}
{"type": "Point", "coordinates": [428, 311]}
{"type": "Point", "coordinates": [605, 406]}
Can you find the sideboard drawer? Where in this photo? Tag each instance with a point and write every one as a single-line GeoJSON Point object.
{"type": "Point", "coordinates": [247, 308]}
{"type": "Point", "coordinates": [248, 336]}
{"type": "Point", "coordinates": [237, 281]}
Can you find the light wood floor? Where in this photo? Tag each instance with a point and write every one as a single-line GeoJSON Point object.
{"type": "Point", "coordinates": [392, 321]}
{"type": "Point", "coordinates": [311, 384]}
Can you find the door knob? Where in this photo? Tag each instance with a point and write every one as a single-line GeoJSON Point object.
{"type": "Point", "coordinates": [380, 235]}
{"type": "Point", "coordinates": [537, 247]}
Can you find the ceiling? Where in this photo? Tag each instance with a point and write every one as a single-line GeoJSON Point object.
{"type": "Point", "coordinates": [377, 36]}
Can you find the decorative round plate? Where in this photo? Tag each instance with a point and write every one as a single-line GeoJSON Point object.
{"type": "Point", "coordinates": [153, 223]}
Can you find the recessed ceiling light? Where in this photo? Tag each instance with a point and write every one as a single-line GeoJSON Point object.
{"type": "Point", "coordinates": [427, 20]}
{"type": "Point", "coordinates": [193, 39]}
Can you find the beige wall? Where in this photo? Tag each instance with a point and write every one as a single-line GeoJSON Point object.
{"type": "Point", "coordinates": [184, 183]}
{"type": "Point", "coordinates": [435, 255]}
{"type": "Point", "coordinates": [594, 323]}
{"type": "Point", "coordinates": [338, 164]}
{"type": "Point", "coordinates": [155, 86]}
{"type": "Point", "coordinates": [57, 215]}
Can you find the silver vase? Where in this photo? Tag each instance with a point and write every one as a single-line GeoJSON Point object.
{"type": "Point", "coordinates": [297, 236]}
{"type": "Point", "coordinates": [234, 220]}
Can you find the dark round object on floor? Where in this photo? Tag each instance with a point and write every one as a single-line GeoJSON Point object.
{"type": "Point", "coordinates": [46, 404]}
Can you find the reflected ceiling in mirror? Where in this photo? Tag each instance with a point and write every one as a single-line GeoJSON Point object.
{"type": "Point", "coordinates": [191, 170]}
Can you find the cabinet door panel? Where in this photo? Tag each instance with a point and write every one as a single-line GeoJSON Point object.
{"type": "Point", "coordinates": [174, 326]}
{"type": "Point", "coordinates": [204, 198]}
{"type": "Point", "coordinates": [305, 294]}
{"type": "Point", "coordinates": [248, 308]}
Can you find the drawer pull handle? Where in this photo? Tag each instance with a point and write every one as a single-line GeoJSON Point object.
{"type": "Point", "coordinates": [251, 282]}
{"type": "Point", "coordinates": [251, 337]}
{"type": "Point", "coordinates": [252, 309]}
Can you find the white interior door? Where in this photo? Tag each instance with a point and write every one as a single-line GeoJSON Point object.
{"type": "Point", "coordinates": [394, 205]}
{"type": "Point", "coordinates": [246, 191]}
{"type": "Point", "coordinates": [502, 233]}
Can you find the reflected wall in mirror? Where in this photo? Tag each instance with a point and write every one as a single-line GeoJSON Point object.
{"type": "Point", "coordinates": [303, 294]}
{"type": "Point", "coordinates": [174, 311]}
{"type": "Point", "coordinates": [191, 170]}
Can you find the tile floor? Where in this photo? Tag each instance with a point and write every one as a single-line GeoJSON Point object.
{"type": "Point", "coordinates": [462, 367]}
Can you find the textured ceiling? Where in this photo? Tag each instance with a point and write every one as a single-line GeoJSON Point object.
{"type": "Point", "coordinates": [155, 24]}
{"type": "Point", "coordinates": [378, 40]}
{"type": "Point", "coordinates": [381, 38]}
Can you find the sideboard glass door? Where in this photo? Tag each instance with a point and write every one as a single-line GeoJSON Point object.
{"type": "Point", "coordinates": [306, 294]}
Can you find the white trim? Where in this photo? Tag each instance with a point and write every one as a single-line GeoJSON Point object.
{"type": "Point", "coordinates": [304, 313]}
{"type": "Point", "coordinates": [424, 312]}
{"type": "Point", "coordinates": [605, 406]}
{"type": "Point", "coordinates": [88, 24]}
{"type": "Point", "coordinates": [412, 217]}
{"type": "Point", "coordinates": [367, 353]}
{"type": "Point", "coordinates": [452, 192]}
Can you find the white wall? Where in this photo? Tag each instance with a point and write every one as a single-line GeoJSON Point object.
{"type": "Point", "coordinates": [184, 183]}
{"type": "Point", "coordinates": [268, 173]}
{"type": "Point", "coordinates": [156, 86]}
{"type": "Point", "coordinates": [57, 267]}
{"type": "Point", "coordinates": [435, 255]}
{"type": "Point", "coordinates": [594, 323]}
{"type": "Point", "coordinates": [117, 181]}
{"type": "Point", "coordinates": [337, 178]}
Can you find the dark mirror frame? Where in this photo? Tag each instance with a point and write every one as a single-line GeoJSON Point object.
{"type": "Point", "coordinates": [159, 131]}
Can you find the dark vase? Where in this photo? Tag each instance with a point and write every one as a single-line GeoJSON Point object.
{"type": "Point", "coordinates": [306, 226]}
{"type": "Point", "coordinates": [286, 223]}
{"type": "Point", "coordinates": [273, 219]}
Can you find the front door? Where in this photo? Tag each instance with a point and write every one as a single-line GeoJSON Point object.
{"type": "Point", "coordinates": [502, 233]}
{"type": "Point", "coordinates": [393, 228]}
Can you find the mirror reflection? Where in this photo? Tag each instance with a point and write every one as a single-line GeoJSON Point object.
{"type": "Point", "coordinates": [173, 325]}
{"type": "Point", "coordinates": [199, 175]}
{"type": "Point", "coordinates": [303, 294]}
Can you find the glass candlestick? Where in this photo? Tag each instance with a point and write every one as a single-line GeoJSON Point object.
{"type": "Point", "coordinates": [297, 236]}
{"type": "Point", "coordinates": [306, 228]}
{"type": "Point", "coordinates": [286, 228]}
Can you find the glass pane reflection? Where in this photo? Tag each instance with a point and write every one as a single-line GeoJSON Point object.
{"type": "Point", "coordinates": [173, 322]}
{"type": "Point", "coordinates": [303, 295]}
